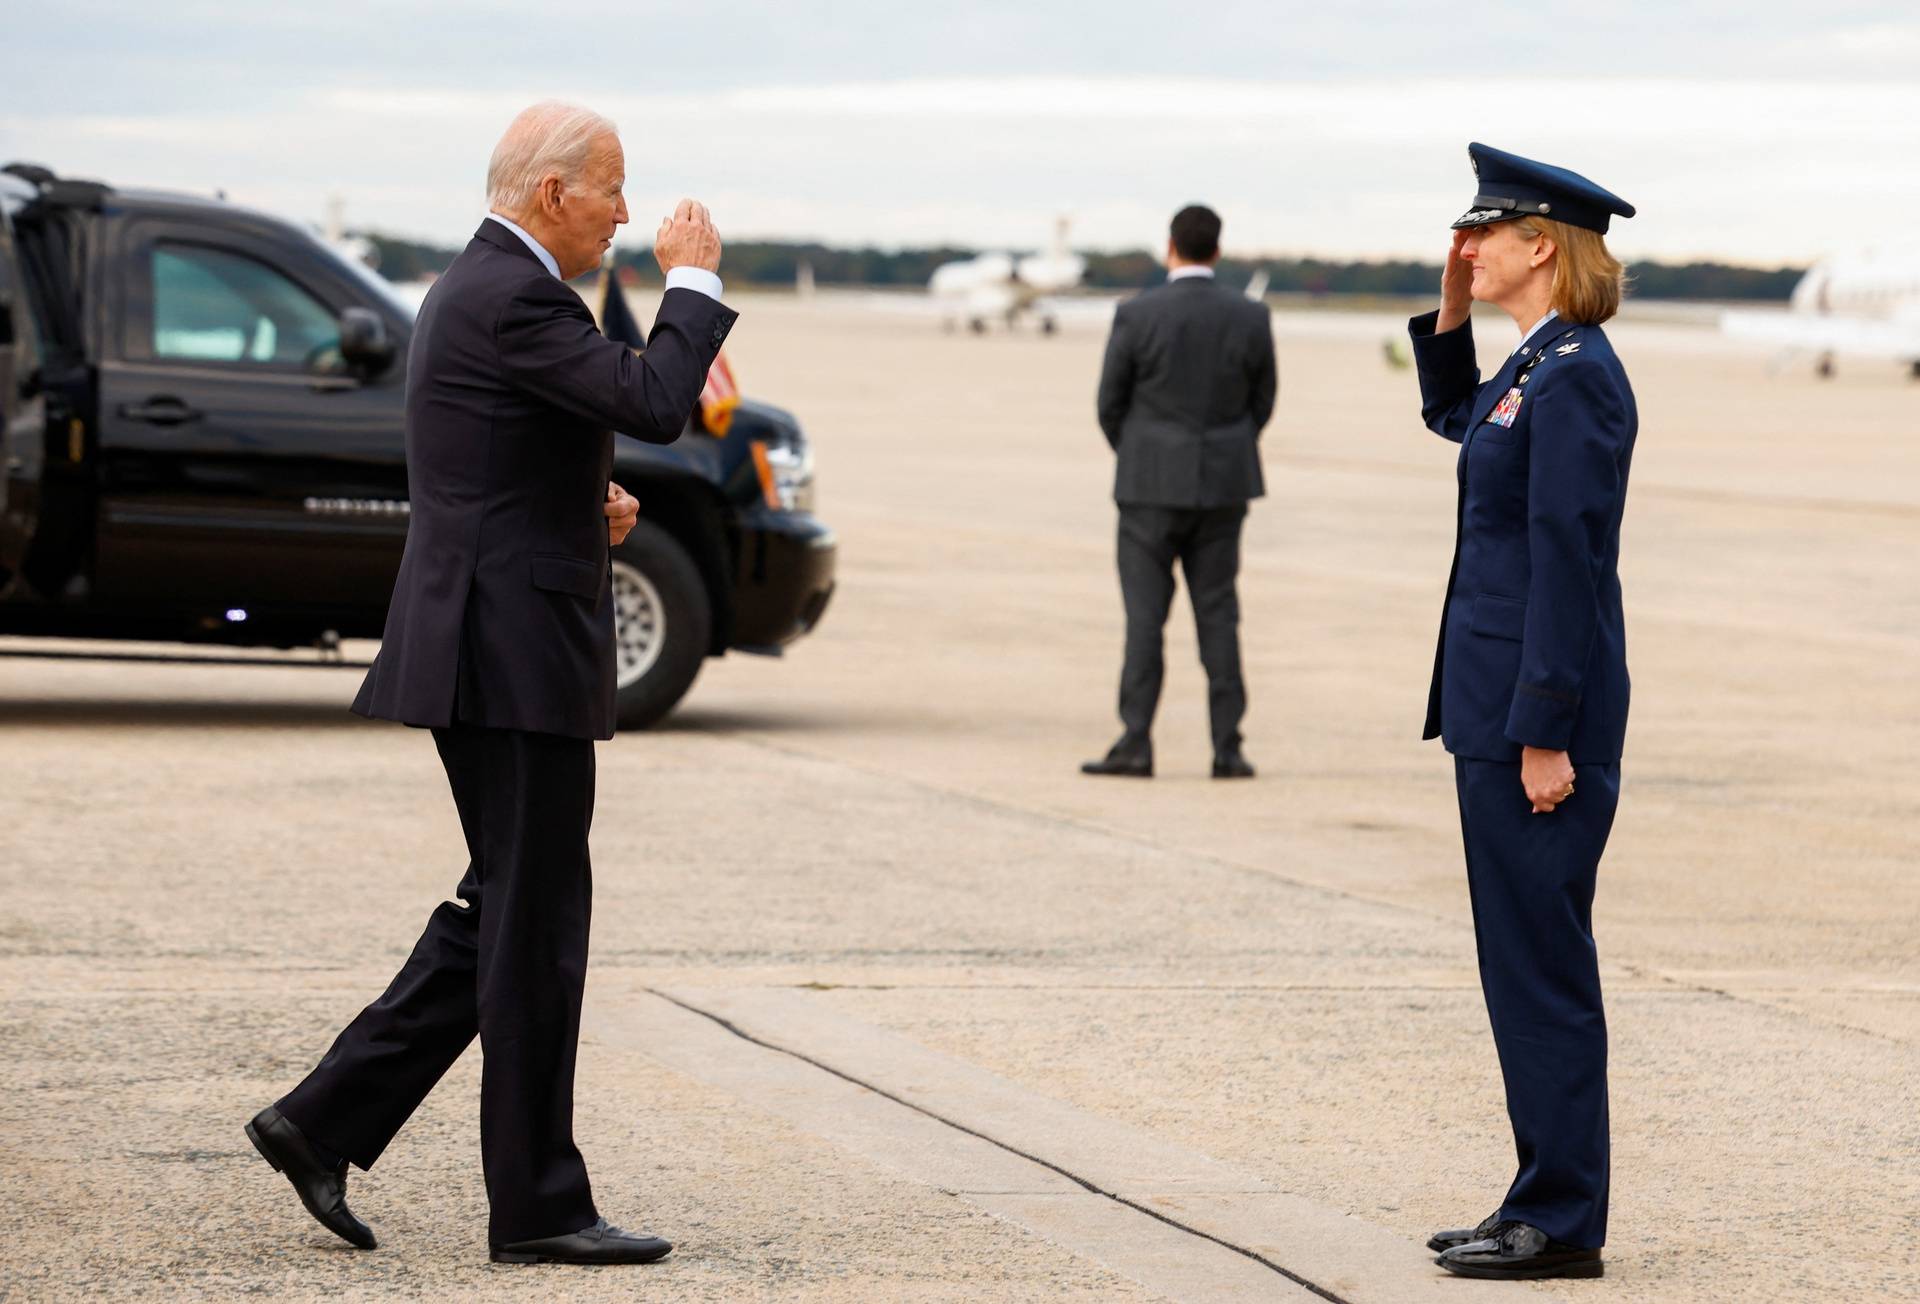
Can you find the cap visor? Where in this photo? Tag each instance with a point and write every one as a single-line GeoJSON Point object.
{"type": "Point", "coordinates": [1484, 217]}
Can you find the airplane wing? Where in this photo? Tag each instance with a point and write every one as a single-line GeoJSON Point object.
{"type": "Point", "coordinates": [1898, 339]}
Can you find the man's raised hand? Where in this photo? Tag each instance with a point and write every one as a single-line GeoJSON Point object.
{"type": "Point", "coordinates": [687, 239]}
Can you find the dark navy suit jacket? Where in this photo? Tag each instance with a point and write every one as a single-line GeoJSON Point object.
{"type": "Point", "coordinates": [1532, 640]}
{"type": "Point", "coordinates": [1188, 382]}
{"type": "Point", "coordinates": [513, 395]}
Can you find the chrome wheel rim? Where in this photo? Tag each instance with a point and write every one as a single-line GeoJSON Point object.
{"type": "Point", "coordinates": [639, 624]}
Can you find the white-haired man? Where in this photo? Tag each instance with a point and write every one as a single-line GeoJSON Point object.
{"type": "Point", "coordinates": [500, 639]}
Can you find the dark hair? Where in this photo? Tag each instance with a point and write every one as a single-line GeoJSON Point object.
{"type": "Point", "coordinates": [1196, 233]}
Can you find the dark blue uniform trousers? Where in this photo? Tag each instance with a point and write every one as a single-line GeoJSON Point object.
{"type": "Point", "coordinates": [510, 965]}
{"type": "Point", "coordinates": [1532, 878]}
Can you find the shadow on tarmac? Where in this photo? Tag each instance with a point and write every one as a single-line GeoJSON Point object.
{"type": "Point", "coordinates": [793, 718]}
{"type": "Point", "coordinates": [86, 713]}
{"type": "Point", "coordinates": [159, 713]}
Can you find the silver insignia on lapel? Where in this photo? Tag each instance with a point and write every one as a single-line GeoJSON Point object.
{"type": "Point", "coordinates": [1565, 349]}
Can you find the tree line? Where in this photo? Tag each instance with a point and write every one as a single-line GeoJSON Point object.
{"type": "Point", "coordinates": [778, 263]}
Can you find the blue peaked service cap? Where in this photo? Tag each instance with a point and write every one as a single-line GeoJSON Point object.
{"type": "Point", "coordinates": [1511, 186]}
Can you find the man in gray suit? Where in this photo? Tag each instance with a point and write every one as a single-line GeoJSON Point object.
{"type": "Point", "coordinates": [1188, 383]}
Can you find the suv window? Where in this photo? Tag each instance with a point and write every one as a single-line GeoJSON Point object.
{"type": "Point", "coordinates": [213, 306]}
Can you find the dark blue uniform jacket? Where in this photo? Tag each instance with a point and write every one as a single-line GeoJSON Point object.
{"type": "Point", "coordinates": [1533, 645]}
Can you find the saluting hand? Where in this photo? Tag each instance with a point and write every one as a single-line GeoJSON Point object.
{"type": "Point", "coordinates": [687, 239]}
{"type": "Point", "coordinates": [622, 510]}
{"type": "Point", "coordinates": [1547, 776]}
{"type": "Point", "coordinates": [1456, 286]}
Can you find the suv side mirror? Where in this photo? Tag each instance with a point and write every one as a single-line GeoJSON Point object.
{"type": "Point", "coordinates": [364, 341]}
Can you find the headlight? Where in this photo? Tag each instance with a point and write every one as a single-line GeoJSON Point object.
{"type": "Point", "coordinates": [784, 463]}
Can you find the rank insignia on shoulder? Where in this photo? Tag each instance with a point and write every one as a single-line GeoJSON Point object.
{"type": "Point", "coordinates": [1572, 346]}
{"type": "Point", "coordinates": [1506, 410]}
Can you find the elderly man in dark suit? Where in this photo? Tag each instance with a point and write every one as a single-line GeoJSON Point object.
{"type": "Point", "coordinates": [500, 640]}
{"type": "Point", "coordinates": [1188, 384]}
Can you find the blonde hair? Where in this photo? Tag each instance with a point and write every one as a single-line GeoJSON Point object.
{"type": "Point", "coordinates": [1588, 281]}
{"type": "Point", "coordinates": [548, 139]}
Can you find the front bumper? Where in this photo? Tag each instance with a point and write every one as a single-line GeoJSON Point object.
{"type": "Point", "coordinates": [783, 578]}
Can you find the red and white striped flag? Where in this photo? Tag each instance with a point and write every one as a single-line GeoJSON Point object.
{"type": "Point", "coordinates": [720, 397]}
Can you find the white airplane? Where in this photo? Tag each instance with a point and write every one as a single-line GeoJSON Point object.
{"type": "Point", "coordinates": [998, 285]}
{"type": "Point", "coordinates": [1862, 305]}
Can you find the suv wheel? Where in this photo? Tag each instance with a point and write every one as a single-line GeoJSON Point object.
{"type": "Point", "coordinates": [662, 621]}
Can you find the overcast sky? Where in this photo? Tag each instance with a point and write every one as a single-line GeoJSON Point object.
{"type": "Point", "coordinates": [1756, 132]}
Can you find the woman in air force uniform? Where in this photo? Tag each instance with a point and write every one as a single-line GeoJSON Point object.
{"type": "Point", "coordinates": [1530, 681]}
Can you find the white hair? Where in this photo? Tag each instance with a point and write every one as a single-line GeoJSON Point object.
{"type": "Point", "coordinates": [548, 139]}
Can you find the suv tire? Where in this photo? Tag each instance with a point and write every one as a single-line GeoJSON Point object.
{"type": "Point", "coordinates": [663, 622]}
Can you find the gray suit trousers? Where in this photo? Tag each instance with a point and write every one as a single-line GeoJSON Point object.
{"type": "Point", "coordinates": [1206, 542]}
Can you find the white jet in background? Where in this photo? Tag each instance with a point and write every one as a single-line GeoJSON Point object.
{"type": "Point", "coordinates": [998, 285]}
{"type": "Point", "coordinates": [1863, 305]}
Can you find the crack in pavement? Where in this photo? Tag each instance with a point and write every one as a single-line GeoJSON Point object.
{"type": "Point", "coordinates": [1086, 1185]}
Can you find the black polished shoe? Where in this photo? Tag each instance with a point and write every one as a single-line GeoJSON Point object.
{"type": "Point", "coordinates": [1518, 1252]}
{"type": "Point", "coordinates": [600, 1243]}
{"type": "Point", "coordinates": [1131, 757]}
{"type": "Point", "coordinates": [1442, 1241]}
{"type": "Point", "coordinates": [320, 1183]}
{"type": "Point", "coordinates": [1231, 765]}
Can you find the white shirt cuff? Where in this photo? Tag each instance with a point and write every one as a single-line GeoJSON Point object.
{"type": "Point", "coordinates": [697, 279]}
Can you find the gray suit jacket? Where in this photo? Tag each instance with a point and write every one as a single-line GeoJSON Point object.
{"type": "Point", "coordinates": [1189, 381]}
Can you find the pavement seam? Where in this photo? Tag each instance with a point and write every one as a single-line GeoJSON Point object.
{"type": "Point", "coordinates": [1086, 1185]}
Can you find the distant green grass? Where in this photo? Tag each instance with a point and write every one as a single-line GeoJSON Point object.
{"type": "Point", "coordinates": [771, 262]}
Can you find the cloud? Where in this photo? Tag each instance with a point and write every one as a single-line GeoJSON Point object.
{"type": "Point", "coordinates": [1354, 167]}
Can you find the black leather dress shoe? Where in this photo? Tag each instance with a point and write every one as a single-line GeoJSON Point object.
{"type": "Point", "coordinates": [1442, 1241]}
{"type": "Point", "coordinates": [1516, 1252]}
{"type": "Point", "coordinates": [1231, 765]}
{"type": "Point", "coordinates": [1130, 758]}
{"type": "Point", "coordinates": [320, 1184]}
{"type": "Point", "coordinates": [600, 1243]}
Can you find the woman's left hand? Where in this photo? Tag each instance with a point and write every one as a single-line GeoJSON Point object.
{"type": "Point", "coordinates": [1547, 776]}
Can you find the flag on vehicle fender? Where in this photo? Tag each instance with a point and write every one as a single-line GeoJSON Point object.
{"type": "Point", "coordinates": [720, 397]}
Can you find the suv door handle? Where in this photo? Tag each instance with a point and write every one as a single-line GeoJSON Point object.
{"type": "Point", "coordinates": [161, 412]}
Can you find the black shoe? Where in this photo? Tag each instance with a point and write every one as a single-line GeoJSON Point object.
{"type": "Point", "coordinates": [320, 1183]}
{"type": "Point", "coordinates": [1442, 1241]}
{"type": "Point", "coordinates": [1131, 757]}
{"type": "Point", "coordinates": [600, 1243]}
{"type": "Point", "coordinates": [1231, 765]}
{"type": "Point", "coordinates": [1517, 1252]}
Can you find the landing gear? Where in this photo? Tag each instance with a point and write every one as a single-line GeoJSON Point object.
{"type": "Point", "coordinates": [1049, 326]}
{"type": "Point", "coordinates": [1824, 367]}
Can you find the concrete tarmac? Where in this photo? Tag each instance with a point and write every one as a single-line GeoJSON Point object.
{"type": "Point", "coordinates": [889, 1003]}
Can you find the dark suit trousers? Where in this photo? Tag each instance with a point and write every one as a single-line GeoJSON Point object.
{"type": "Point", "coordinates": [1532, 881]}
{"type": "Point", "coordinates": [1206, 542]}
{"type": "Point", "coordinates": [509, 965]}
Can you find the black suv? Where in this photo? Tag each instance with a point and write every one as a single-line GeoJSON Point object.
{"type": "Point", "coordinates": [200, 415]}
